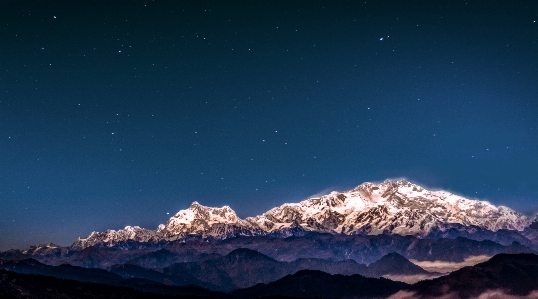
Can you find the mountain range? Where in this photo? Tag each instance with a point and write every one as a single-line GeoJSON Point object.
{"type": "Point", "coordinates": [389, 240]}
{"type": "Point", "coordinates": [392, 207]}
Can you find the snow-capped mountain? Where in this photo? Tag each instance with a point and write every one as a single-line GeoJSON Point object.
{"type": "Point", "coordinates": [391, 207]}
{"type": "Point", "coordinates": [196, 220]}
{"type": "Point", "coordinates": [398, 207]}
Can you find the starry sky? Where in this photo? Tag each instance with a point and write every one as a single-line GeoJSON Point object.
{"type": "Point", "coordinates": [116, 113]}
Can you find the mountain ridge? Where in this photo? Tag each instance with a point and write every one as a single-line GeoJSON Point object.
{"type": "Point", "coordinates": [392, 207]}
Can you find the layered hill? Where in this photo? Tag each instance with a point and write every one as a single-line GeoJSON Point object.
{"type": "Point", "coordinates": [508, 276]}
{"type": "Point", "coordinates": [240, 268]}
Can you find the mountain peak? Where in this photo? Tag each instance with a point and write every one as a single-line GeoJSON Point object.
{"type": "Point", "coordinates": [198, 219]}
{"type": "Point", "coordinates": [394, 263]}
{"type": "Point", "coordinates": [388, 185]}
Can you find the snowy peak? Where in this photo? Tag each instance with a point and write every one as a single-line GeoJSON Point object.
{"type": "Point", "coordinates": [129, 233]}
{"type": "Point", "coordinates": [199, 217]}
{"type": "Point", "coordinates": [378, 192]}
{"type": "Point", "coordinates": [199, 212]}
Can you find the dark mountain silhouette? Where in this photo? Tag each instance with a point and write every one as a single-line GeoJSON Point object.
{"type": "Point", "coordinates": [318, 284]}
{"type": "Point", "coordinates": [134, 276]}
{"type": "Point", "coordinates": [244, 268]}
{"type": "Point", "coordinates": [157, 259]}
{"type": "Point", "coordinates": [163, 258]}
{"type": "Point", "coordinates": [334, 247]}
{"type": "Point", "coordinates": [395, 264]}
{"type": "Point", "coordinates": [345, 267]}
{"type": "Point", "coordinates": [17, 285]}
{"type": "Point", "coordinates": [238, 269]}
{"type": "Point", "coordinates": [513, 274]}
{"type": "Point", "coordinates": [367, 249]}
{"type": "Point", "coordinates": [241, 267]}
{"type": "Point", "coordinates": [31, 266]}
{"type": "Point", "coordinates": [102, 257]}
{"type": "Point", "coordinates": [135, 271]}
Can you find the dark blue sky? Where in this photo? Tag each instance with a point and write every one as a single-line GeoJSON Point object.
{"type": "Point", "coordinates": [117, 114]}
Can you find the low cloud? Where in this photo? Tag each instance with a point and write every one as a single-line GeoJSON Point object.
{"type": "Point", "coordinates": [497, 294]}
{"type": "Point", "coordinates": [446, 267]}
{"type": "Point", "coordinates": [404, 295]}
{"type": "Point", "coordinates": [493, 294]}
{"type": "Point", "coordinates": [410, 279]}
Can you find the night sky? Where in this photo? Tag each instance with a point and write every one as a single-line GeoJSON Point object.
{"type": "Point", "coordinates": [115, 114]}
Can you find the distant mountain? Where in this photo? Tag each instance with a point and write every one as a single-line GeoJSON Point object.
{"type": "Point", "coordinates": [163, 258]}
{"type": "Point", "coordinates": [392, 207]}
{"type": "Point", "coordinates": [180, 279]}
{"type": "Point", "coordinates": [319, 246]}
{"type": "Point", "coordinates": [244, 268]}
{"type": "Point", "coordinates": [240, 268]}
{"type": "Point", "coordinates": [393, 264]}
{"type": "Point", "coordinates": [365, 249]}
{"type": "Point", "coordinates": [317, 284]}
